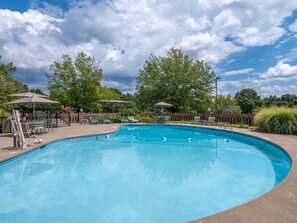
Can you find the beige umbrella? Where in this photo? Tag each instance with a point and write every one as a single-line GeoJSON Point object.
{"type": "Point", "coordinates": [33, 100]}
{"type": "Point", "coordinates": [163, 105]}
{"type": "Point", "coordinates": [28, 94]}
{"type": "Point", "coordinates": [116, 102]}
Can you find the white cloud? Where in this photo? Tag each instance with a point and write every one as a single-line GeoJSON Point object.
{"type": "Point", "coordinates": [253, 36]}
{"type": "Point", "coordinates": [211, 30]}
{"type": "Point", "coordinates": [281, 71]}
{"type": "Point", "coordinates": [277, 90]}
{"type": "Point", "coordinates": [236, 72]}
{"type": "Point", "coordinates": [210, 48]}
{"type": "Point", "coordinates": [226, 22]}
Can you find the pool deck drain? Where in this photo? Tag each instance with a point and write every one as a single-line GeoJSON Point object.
{"type": "Point", "coordinates": [277, 206]}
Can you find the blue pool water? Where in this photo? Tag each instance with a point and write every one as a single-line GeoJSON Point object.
{"type": "Point", "coordinates": [139, 174]}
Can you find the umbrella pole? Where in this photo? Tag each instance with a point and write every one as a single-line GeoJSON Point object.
{"type": "Point", "coordinates": [34, 112]}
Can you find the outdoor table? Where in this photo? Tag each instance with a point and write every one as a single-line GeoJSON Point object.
{"type": "Point", "coordinates": [83, 121]}
{"type": "Point", "coordinates": [36, 127]}
{"type": "Point", "coordinates": [160, 119]}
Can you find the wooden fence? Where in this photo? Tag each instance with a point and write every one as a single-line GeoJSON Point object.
{"type": "Point", "coordinates": [79, 116]}
{"type": "Point", "coordinates": [231, 118]}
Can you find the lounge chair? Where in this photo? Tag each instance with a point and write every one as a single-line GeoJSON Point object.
{"type": "Point", "coordinates": [106, 120]}
{"type": "Point", "coordinates": [131, 119]}
{"type": "Point", "coordinates": [122, 119]}
{"type": "Point", "coordinates": [197, 119]}
{"type": "Point", "coordinates": [94, 120]}
{"type": "Point", "coordinates": [210, 120]}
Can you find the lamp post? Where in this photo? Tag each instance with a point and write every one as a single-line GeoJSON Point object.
{"type": "Point", "coordinates": [217, 78]}
{"type": "Point", "coordinates": [81, 92]}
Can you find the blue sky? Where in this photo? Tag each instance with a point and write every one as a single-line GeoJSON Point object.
{"type": "Point", "coordinates": [249, 44]}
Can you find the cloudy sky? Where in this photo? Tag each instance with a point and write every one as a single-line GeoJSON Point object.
{"type": "Point", "coordinates": [248, 43]}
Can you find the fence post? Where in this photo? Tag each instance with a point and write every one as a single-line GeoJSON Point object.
{"type": "Point", "coordinates": [69, 118]}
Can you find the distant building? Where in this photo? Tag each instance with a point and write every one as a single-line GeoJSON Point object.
{"type": "Point", "coordinates": [277, 104]}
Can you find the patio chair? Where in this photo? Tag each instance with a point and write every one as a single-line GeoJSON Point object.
{"type": "Point", "coordinates": [122, 119]}
{"type": "Point", "coordinates": [94, 120]}
{"type": "Point", "coordinates": [38, 127]}
{"type": "Point", "coordinates": [26, 129]}
{"type": "Point", "coordinates": [167, 118]}
{"type": "Point", "coordinates": [106, 120]}
{"type": "Point", "coordinates": [49, 125]}
{"type": "Point", "coordinates": [197, 119]}
{"type": "Point", "coordinates": [211, 120]}
{"type": "Point", "coordinates": [29, 133]}
{"type": "Point", "coordinates": [131, 119]}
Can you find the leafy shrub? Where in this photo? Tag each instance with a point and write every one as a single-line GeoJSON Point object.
{"type": "Point", "coordinates": [129, 111]}
{"type": "Point", "coordinates": [146, 119]}
{"type": "Point", "coordinates": [277, 120]}
{"type": "Point", "coordinates": [100, 120]}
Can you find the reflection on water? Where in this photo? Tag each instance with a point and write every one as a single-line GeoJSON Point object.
{"type": "Point", "coordinates": [175, 163]}
{"type": "Point", "coordinates": [135, 176]}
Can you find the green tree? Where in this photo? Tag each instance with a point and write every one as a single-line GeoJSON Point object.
{"type": "Point", "coordinates": [128, 97]}
{"type": "Point", "coordinates": [228, 104]}
{"type": "Point", "coordinates": [72, 82]}
{"type": "Point", "coordinates": [268, 101]}
{"type": "Point", "coordinates": [37, 91]}
{"type": "Point", "coordinates": [289, 99]}
{"type": "Point", "coordinates": [175, 79]}
{"type": "Point", "coordinates": [248, 100]}
{"type": "Point", "coordinates": [8, 85]}
{"type": "Point", "coordinates": [116, 90]}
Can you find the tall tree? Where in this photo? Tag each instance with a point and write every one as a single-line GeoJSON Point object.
{"type": "Point", "coordinates": [37, 91]}
{"type": "Point", "coordinates": [228, 104]}
{"type": "Point", "coordinates": [248, 100]}
{"type": "Point", "coordinates": [8, 85]}
{"type": "Point", "coordinates": [289, 99]}
{"type": "Point", "coordinates": [176, 79]}
{"type": "Point", "coordinates": [76, 82]}
{"type": "Point", "coordinates": [268, 101]}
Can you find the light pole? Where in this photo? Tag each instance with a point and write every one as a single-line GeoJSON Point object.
{"type": "Point", "coordinates": [217, 78]}
{"type": "Point", "coordinates": [81, 92]}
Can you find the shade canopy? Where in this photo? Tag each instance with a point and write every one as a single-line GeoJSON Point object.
{"type": "Point", "coordinates": [163, 105]}
{"type": "Point", "coordinates": [33, 100]}
{"type": "Point", "coordinates": [28, 94]}
{"type": "Point", "coordinates": [116, 101]}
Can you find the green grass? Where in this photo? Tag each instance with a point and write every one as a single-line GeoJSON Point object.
{"type": "Point", "coordinates": [277, 120]}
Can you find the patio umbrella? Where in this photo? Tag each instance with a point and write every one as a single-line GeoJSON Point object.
{"type": "Point", "coordinates": [116, 102]}
{"type": "Point", "coordinates": [28, 94]}
{"type": "Point", "coordinates": [33, 100]}
{"type": "Point", "coordinates": [163, 105]}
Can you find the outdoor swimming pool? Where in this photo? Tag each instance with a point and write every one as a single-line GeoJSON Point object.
{"type": "Point", "coordinates": [141, 173]}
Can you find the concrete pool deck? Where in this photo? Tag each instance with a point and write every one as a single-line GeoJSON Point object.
{"type": "Point", "coordinates": [277, 206]}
